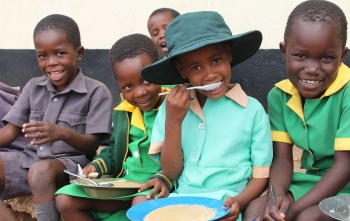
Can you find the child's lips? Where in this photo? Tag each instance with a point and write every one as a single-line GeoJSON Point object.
{"type": "Point", "coordinates": [55, 75]}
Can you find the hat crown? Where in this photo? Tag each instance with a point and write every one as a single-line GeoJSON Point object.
{"type": "Point", "coordinates": [189, 29]}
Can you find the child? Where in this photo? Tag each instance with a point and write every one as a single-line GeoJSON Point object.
{"type": "Point", "coordinates": [311, 110]}
{"type": "Point", "coordinates": [63, 115]}
{"type": "Point", "coordinates": [127, 153]}
{"type": "Point", "coordinates": [213, 143]}
{"type": "Point", "coordinates": [157, 24]}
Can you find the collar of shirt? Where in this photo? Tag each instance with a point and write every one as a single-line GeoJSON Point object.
{"type": "Point", "coordinates": [341, 80]}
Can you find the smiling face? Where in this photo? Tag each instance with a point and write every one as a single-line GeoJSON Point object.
{"type": "Point", "coordinates": [313, 54]}
{"type": "Point", "coordinates": [135, 89]}
{"type": "Point", "coordinates": [57, 58]}
{"type": "Point", "coordinates": [207, 65]}
{"type": "Point", "coordinates": [157, 25]}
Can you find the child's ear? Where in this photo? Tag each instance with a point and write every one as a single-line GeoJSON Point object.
{"type": "Point", "coordinates": [343, 55]}
{"type": "Point", "coordinates": [283, 49]}
{"type": "Point", "coordinates": [81, 52]}
{"type": "Point", "coordinates": [179, 69]}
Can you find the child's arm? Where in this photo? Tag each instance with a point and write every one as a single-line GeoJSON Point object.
{"type": "Point", "coordinates": [330, 184]}
{"type": "Point", "coordinates": [8, 134]}
{"type": "Point", "coordinates": [281, 174]}
{"type": "Point", "coordinates": [177, 105]}
{"type": "Point", "coordinates": [44, 132]}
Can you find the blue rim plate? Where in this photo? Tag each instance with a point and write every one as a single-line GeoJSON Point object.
{"type": "Point", "coordinates": [139, 211]}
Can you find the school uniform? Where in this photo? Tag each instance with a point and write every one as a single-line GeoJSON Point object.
{"type": "Point", "coordinates": [223, 145]}
{"type": "Point", "coordinates": [320, 127]}
{"type": "Point", "coordinates": [126, 157]}
{"type": "Point", "coordinates": [83, 106]}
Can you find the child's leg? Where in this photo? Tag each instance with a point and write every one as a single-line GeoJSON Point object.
{"type": "Point", "coordinates": [313, 213]}
{"type": "Point", "coordinates": [44, 178]}
{"type": "Point", "coordinates": [2, 174]}
{"type": "Point", "coordinates": [75, 208]}
{"type": "Point", "coordinates": [5, 213]}
{"type": "Point", "coordinates": [138, 199]}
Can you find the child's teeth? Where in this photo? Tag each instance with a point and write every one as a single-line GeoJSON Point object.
{"type": "Point", "coordinates": [310, 82]}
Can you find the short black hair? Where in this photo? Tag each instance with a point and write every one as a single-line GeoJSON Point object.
{"type": "Point", "coordinates": [172, 12]}
{"type": "Point", "coordinates": [132, 46]}
{"type": "Point", "coordinates": [318, 11]}
{"type": "Point", "coordinates": [60, 23]}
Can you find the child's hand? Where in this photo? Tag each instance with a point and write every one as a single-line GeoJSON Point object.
{"type": "Point", "coordinates": [272, 213]}
{"type": "Point", "coordinates": [158, 186]}
{"type": "Point", "coordinates": [88, 169]}
{"type": "Point", "coordinates": [41, 132]}
{"type": "Point", "coordinates": [231, 202]}
{"type": "Point", "coordinates": [178, 103]}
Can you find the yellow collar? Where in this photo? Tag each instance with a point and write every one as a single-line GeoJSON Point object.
{"type": "Point", "coordinates": [295, 104]}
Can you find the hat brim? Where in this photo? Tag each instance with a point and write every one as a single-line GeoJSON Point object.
{"type": "Point", "coordinates": [163, 72]}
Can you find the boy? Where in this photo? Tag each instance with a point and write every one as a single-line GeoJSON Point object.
{"type": "Point", "coordinates": [63, 115]}
{"type": "Point", "coordinates": [310, 110]}
{"type": "Point", "coordinates": [213, 143]}
{"type": "Point", "coordinates": [127, 154]}
{"type": "Point", "coordinates": [157, 24]}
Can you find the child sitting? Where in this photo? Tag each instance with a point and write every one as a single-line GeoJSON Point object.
{"type": "Point", "coordinates": [213, 143]}
{"type": "Point", "coordinates": [310, 110]}
{"type": "Point", "coordinates": [63, 115]}
{"type": "Point", "coordinates": [157, 24]}
{"type": "Point", "coordinates": [127, 153]}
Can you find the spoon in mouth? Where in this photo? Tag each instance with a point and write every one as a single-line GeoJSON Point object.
{"type": "Point", "coordinates": [104, 184]}
{"type": "Point", "coordinates": [207, 87]}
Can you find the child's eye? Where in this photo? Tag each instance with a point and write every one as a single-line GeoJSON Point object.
{"type": "Point", "coordinates": [126, 87]}
{"type": "Point", "coordinates": [327, 58]}
{"type": "Point", "coordinates": [300, 56]}
{"type": "Point", "coordinates": [60, 53]}
{"type": "Point", "coordinates": [41, 55]}
{"type": "Point", "coordinates": [155, 33]}
{"type": "Point", "coordinates": [196, 68]}
{"type": "Point", "coordinates": [216, 60]}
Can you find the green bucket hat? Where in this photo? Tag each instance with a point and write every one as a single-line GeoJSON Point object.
{"type": "Point", "coordinates": [194, 30]}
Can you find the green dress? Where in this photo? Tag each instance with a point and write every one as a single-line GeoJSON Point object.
{"type": "Point", "coordinates": [320, 128]}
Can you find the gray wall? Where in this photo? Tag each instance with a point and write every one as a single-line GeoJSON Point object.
{"type": "Point", "coordinates": [257, 75]}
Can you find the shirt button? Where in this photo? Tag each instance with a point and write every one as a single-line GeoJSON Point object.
{"type": "Point", "coordinates": [201, 126]}
{"type": "Point", "coordinates": [41, 148]}
{"type": "Point", "coordinates": [136, 154]}
{"type": "Point", "coordinates": [55, 99]}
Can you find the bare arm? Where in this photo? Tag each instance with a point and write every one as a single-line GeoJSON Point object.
{"type": "Point", "coordinates": [281, 174]}
{"type": "Point", "coordinates": [177, 106]}
{"type": "Point", "coordinates": [43, 132]}
{"type": "Point", "coordinates": [8, 134]}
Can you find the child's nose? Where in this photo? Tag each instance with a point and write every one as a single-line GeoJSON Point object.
{"type": "Point", "coordinates": [140, 92]}
{"type": "Point", "coordinates": [312, 65]}
{"type": "Point", "coordinates": [51, 61]}
{"type": "Point", "coordinates": [210, 73]}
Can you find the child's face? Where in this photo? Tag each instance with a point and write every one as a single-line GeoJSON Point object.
{"type": "Point", "coordinates": [135, 89]}
{"type": "Point", "coordinates": [207, 65]}
{"type": "Point", "coordinates": [313, 54]}
{"type": "Point", "coordinates": [156, 27]}
{"type": "Point", "coordinates": [57, 58]}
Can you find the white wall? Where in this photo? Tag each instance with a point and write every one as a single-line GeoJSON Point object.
{"type": "Point", "coordinates": [102, 22]}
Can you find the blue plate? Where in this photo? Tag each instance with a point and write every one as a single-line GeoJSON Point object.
{"type": "Point", "coordinates": [139, 211]}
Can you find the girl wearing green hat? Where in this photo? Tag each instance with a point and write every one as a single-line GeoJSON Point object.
{"type": "Point", "coordinates": [213, 143]}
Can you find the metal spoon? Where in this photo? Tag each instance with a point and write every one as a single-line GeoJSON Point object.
{"type": "Point", "coordinates": [103, 184]}
{"type": "Point", "coordinates": [207, 87]}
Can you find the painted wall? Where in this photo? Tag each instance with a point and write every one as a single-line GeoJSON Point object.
{"type": "Point", "coordinates": [102, 22]}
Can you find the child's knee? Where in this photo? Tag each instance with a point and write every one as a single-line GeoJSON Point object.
{"type": "Point", "coordinates": [42, 174]}
{"type": "Point", "coordinates": [63, 203]}
{"type": "Point", "coordinates": [138, 199]}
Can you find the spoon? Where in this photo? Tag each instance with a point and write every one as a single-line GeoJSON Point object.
{"type": "Point", "coordinates": [207, 87]}
{"type": "Point", "coordinates": [104, 184]}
